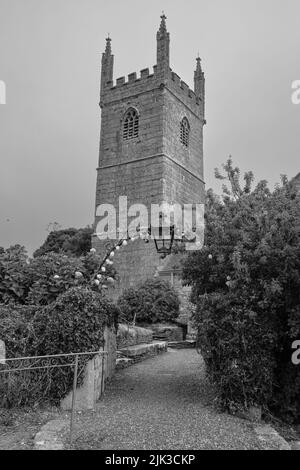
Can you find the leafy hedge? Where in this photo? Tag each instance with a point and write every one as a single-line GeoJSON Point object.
{"type": "Point", "coordinates": [246, 286]}
{"type": "Point", "coordinates": [14, 278]}
{"type": "Point", "coordinates": [71, 241]}
{"type": "Point", "coordinates": [14, 327]}
{"type": "Point", "coordinates": [41, 280]}
{"type": "Point", "coordinates": [74, 322]}
{"type": "Point", "coordinates": [238, 346]}
{"type": "Point", "coordinates": [152, 301]}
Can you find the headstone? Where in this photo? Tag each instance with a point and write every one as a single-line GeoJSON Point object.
{"type": "Point", "coordinates": [2, 352]}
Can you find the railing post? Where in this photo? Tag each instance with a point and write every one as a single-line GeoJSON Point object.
{"type": "Point", "coordinates": [74, 398]}
{"type": "Point", "coordinates": [102, 371]}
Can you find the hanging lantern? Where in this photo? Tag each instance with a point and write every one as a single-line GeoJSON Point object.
{"type": "Point", "coordinates": [163, 238]}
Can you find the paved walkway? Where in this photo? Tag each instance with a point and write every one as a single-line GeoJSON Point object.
{"type": "Point", "coordinates": [162, 403]}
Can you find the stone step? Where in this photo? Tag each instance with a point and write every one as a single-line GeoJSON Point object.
{"type": "Point", "coordinates": [144, 349]}
{"type": "Point", "coordinates": [187, 344]}
{"type": "Point", "coordinates": [191, 336]}
{"type": "Point", "coordinates": [123, 362]}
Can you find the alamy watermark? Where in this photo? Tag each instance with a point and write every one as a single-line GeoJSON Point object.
{"type": "Point", "coordinates": [2, 92]}
{"type": "Point", "coordinates": [296, 92]}
{"type": "Point", "coordinates": [183, 222]}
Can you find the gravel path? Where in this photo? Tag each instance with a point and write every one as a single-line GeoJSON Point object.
{"type": "Point", "coordinates": [162, 403]}
{"type": "Point", "coordinates": [18, 427]}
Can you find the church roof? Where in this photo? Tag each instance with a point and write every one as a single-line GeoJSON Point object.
{"type": "Point", "coordinates": [296, 182]}
{"type": "Point", "coordinates": [296, 178]}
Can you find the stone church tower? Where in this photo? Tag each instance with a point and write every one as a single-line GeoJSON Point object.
{"type": "Point", "coordinates": [151, 147]}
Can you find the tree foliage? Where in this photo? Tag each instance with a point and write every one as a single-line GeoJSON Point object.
{"type": "Point", "coordinates": [14, 281]}
{"type": "Point", "coordinates": [246, 285]}
{"type": "Point", "coordinates": [152, 301]}
{"type": "Point", "coordinates": [71, 241]}
{"type": "Point", "coordinates": [40, 280]}
{"type": "Point", "coordinates": [51, 304]}
{"type": "Point", "coordinates": [73, 323]}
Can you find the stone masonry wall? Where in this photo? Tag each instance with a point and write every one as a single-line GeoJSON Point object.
{"type": "Point", "coordinates": [97, 372]}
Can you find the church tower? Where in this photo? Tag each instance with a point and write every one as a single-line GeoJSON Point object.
{"type": "Point", "coordinates": [151, 147]}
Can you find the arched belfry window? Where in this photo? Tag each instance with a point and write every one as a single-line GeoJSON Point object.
{"type": "Point", "coordinates": [131, 124]}
{"type": "Point", "coordinates": [184, 132]}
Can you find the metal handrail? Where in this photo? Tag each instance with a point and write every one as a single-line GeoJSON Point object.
{"type": "Point", "coordinates": [52, 355]}
{"type": "Point", "coordinates": [74, 364]}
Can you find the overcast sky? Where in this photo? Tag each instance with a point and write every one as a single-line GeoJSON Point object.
{"type": "Point", "coordinates": [50, 53]}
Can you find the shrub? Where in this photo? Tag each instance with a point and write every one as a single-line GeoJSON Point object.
{"type": "Point", "coordinates": [51, 275]}
{"type": "Point", "coordinates": [73, 323]}
{"type": "Point", "coordinates": [14, 328]}
{"type": "Point", "coordinates": [152, 301]}
{"type": "Point", "coordinates": [15, 321]}
{"type": "Point", "coordinates": [14, 279]}
{"type": "Point", "coordinates": [71, 241]}
{"type": "Point", "coordinates": [246, 285]}
{"type": "Point", "coordinates": [238, 346]}
{"type": "Point", "coordinates": [41, 280]}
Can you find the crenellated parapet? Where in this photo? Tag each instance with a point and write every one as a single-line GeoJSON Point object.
{"type": "Point", "coordinates": [146, 81]}
{"type": "Point", "coordinates": [133, 78]}
{"type": "Point", "coordinates": [162, 77]}
{"type": "Point", "coordinates": [177, 86]}
{"type": "Point", "coordinates": [133, 84]}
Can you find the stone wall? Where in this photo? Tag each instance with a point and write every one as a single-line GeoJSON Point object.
{"type": "Point", "coordinates": [167, 332]}
{"type": "Point", "coordinates": [132, 335]}
{"type": "Point", "coordinates": [98, 371]}
{"type": "Point", "coordinates": [171, 272]}
{"type": "Point", "coordinates": [186, 309]}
